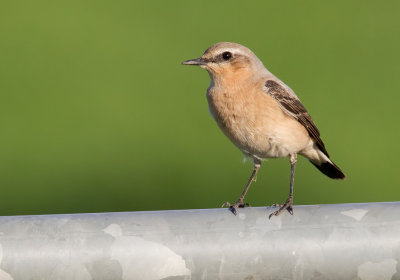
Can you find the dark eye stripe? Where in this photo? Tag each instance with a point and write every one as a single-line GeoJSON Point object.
{"type": "Point", "coordinates": [222, 57]}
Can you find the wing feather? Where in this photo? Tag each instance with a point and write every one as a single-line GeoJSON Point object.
{"type": "Point", "coordinates": [292, 106]}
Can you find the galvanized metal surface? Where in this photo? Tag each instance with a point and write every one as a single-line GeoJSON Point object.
{"type": "Point", "coordinates": [347, 241]}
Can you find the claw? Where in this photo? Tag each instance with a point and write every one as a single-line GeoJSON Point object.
{"type": "Point", "coordinates": [233, 208]}
{"type": "Point", "coordinates": [226, 204]}
{"type": "Point", "coordinates": [287, 206]}
{"type": "Point", "coordinates": [276, 205]}
{"type": "Point", "coordinates": [290, 210]}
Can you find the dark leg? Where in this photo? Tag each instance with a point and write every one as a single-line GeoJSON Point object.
{"type": "Point", "coordinates": [239, 202]}
{"type": "Point", "coordinates": [288, 204]}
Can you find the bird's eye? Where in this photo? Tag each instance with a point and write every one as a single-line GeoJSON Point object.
{"type": "Point", "coordinates": [226, 55]}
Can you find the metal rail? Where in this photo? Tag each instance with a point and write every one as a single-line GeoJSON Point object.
{"type": "Point", "coordinates": [346, 241]}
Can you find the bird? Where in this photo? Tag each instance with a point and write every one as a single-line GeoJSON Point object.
{"type": "Point", "coordinates": [260, 115]}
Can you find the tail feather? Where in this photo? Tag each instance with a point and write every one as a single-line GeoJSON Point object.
{"type": "Point", "coordinates": [330, 170]}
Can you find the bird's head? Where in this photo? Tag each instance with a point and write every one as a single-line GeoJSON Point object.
{"type": "Point", "coordinates": [227, 60]}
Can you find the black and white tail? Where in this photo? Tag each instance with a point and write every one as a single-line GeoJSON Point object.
{"type": "Point", "coordinates": [330, 169]}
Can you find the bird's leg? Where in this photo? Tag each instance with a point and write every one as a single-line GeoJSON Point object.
{"type": "Point", "coordinates": [239, 202]}
{"type": "Point", "coordinates": [289, 202]}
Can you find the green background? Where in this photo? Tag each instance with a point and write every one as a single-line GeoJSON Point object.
{"type": "Point", "coordinates": [97, 114]}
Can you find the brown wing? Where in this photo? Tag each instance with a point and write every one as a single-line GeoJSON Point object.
{"type": "Point", "coordinates": [292, 105]}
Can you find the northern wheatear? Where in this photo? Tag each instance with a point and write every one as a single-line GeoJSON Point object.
{"type": "Point", "coordinates": [261, 115]}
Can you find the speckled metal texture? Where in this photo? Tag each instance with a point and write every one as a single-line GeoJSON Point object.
{"type": "Point", "coordinates": [347, 241]}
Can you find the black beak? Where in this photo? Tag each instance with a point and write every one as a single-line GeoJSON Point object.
{"type": "Point", "coordinates": [196, 61]}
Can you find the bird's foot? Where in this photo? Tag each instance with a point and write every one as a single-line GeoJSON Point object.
{"type": "Point", "coordinates": [238, 204]}
{"type": "Point", "coordinates": [286, 206]}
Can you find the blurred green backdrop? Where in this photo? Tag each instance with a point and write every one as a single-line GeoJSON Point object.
{"type": "Point", "coordinates": [97, 114]}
